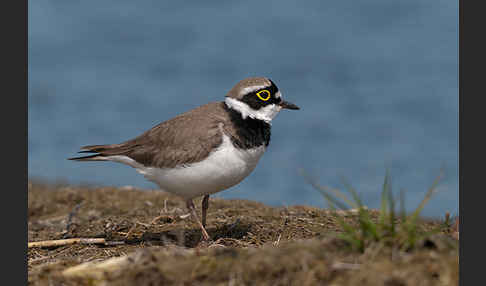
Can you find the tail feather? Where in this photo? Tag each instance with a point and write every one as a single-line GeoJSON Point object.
{"type": "Point", "coordinates": [86, 152]}
{"type": "Point", "coordinates": [101, 150]}
{"type": "Point", "coordinates": [95, 157]}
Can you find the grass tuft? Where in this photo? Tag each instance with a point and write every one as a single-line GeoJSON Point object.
{"type": "Point", "coordinates": [392, 227]}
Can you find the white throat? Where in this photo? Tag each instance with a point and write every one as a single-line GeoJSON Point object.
{"type": "Point", "coordinates": [266, 113]}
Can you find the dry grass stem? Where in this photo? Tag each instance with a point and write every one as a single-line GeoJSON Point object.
{"type": "Point", "coordinates": [61, 242]}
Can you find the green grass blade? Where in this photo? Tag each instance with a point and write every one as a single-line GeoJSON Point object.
{"type": "Point", "coordinates": [325, 192]}
{"type": "Point", "coordinates": [385, 197]}
{"type": "Point", "coordinates": [368, 227]}
{"type": "Point", "coordinates": [350, 233]}
{"type": "Point", "coordinates": [386, 229]}
{"type": "Point", "coordinates": [392, 215]}
{"type": "Point", "coordinates": [338, 194]}
{"type": "Point", "coordinates": [332, 202]}
{"type": "Point", "coordinates": [352, 191]}
{"type": "Point", "coordinates": [403, 212]}
{"type": "Point", "coordinates": [427, 197]}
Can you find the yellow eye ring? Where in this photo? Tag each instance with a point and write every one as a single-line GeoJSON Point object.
{"type": "Point", "coordinates": [263, 95]}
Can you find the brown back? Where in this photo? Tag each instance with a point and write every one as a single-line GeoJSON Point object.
{"type": "Point", "coordinates": [184, 139]}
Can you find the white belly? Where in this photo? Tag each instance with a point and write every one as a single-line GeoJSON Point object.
{"type": "Point", "coordinates": [224, 168]}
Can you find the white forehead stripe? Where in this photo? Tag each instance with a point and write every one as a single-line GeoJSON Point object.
{"type": "Point", "coordinates": [253, 88]}
{"type": "Point", "coordinates": [266, 113]}
{"type": "Point", "coordinates": [278, 94]}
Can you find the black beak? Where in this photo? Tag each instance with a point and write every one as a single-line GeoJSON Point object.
{"type": "Point", "coordinates": [288, 105]}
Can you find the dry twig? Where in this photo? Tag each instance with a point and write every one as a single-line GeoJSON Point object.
{"type": "Point", "coordinates": [345, 266]}
{"type": "Point", "coordinates": [61, 242]}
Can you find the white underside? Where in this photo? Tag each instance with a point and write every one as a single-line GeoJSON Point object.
{"type": "Point", "coordinates": [224, 168]}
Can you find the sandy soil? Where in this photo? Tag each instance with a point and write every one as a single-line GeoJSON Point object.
{"type": "Point", "coordinates": [154, 243]}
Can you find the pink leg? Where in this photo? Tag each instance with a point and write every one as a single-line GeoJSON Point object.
{"type": "Point", "coordinates": [190, 206]}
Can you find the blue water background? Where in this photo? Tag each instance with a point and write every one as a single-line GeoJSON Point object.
{"type": "Point", "coordinates": [377, 83]}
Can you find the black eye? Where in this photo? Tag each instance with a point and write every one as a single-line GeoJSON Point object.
{"type": "Point", "coordinates": [264, 95]}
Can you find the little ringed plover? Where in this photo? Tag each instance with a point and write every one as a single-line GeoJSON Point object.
{"type": "Point", "coordinates": [205, 150]}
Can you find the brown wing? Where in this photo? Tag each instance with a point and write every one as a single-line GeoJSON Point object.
{"type": "Point", "coordinates": [184, 139]}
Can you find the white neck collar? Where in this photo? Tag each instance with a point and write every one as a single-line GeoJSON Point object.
{"type": "Point", "coordinates": [266, 113]}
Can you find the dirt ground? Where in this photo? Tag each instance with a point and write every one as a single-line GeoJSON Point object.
{"type": "Point", "coordinates": [151, 241]}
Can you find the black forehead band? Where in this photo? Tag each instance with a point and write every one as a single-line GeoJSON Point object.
{"type": "Point", "coordinates": [272, 88]}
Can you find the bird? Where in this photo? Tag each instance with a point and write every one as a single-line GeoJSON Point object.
{"type": "Point", "coordinates": [205, 150]}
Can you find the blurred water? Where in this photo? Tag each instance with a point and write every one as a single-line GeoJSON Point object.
{"type": "Point", "coordinates": [377, 83]}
